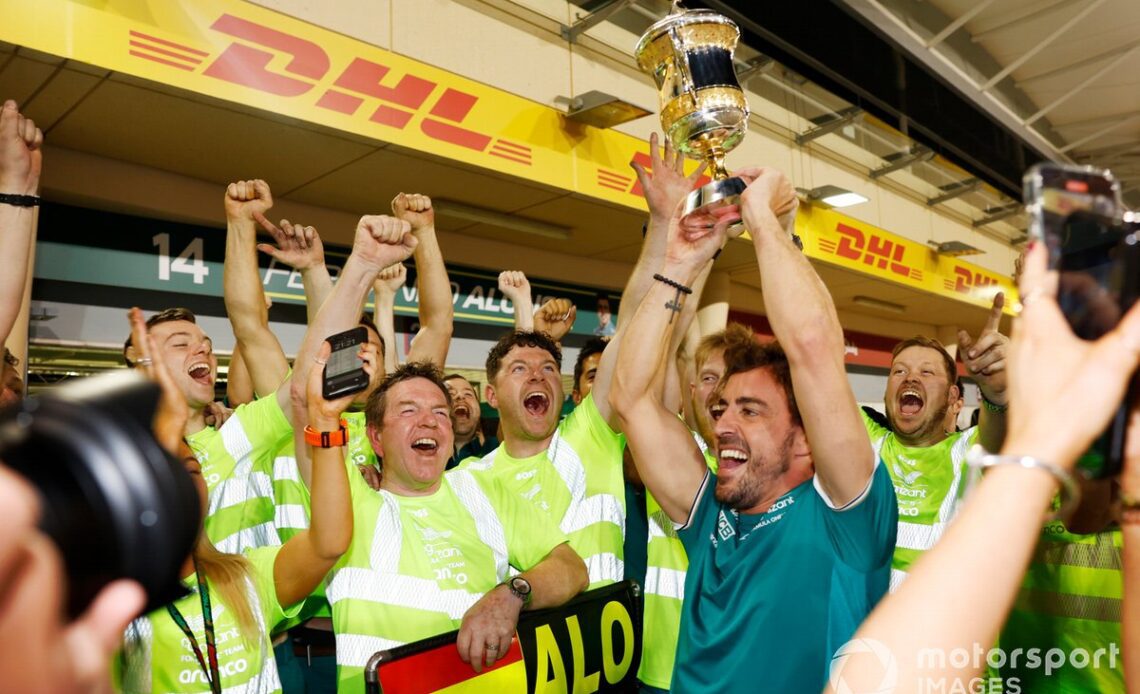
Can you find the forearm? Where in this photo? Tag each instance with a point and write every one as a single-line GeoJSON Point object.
{"type": "Point", "coordinates": [330, 524]}
{"type": "Point", "coordinates": [436, 309]}
{"type": "Point", "coordinates": [524, 312]}
{"type": "Point", "coordinates": [239, 385]}
{"type": "Point", "coordinates": [1130, 616]}
{"type": "Point", "coordinates": [17, 233]}
{"type": "Point", "coordinates": [669, 383]}
{"type": "Point", "coordinates": [385, 318]}
{"type": "Point", "coordinates": [556, 579]}
{"type": "Point", "coordinates": [1002, 522]}
{"type": "Point", "coordinates": [340, 312]}
{"type": "Point", "coordinates": [241, 281]}
{"type": "Point", "coordinates": [318, 285]}
{"type": "Point", "coordinates": [641, 278]}
{"type": "Point", "coordinates": [991, 428]}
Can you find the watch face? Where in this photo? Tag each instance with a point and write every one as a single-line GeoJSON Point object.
{"type": "Point", "coordinates": [521, 585]}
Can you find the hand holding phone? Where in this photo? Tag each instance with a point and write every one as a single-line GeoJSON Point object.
{"type": "Point", "coordinates": [344, 373]}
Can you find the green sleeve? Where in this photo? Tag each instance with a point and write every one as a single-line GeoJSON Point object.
{"type": "Point", "coordinates": [261, 562]}
{"type": "Point", "coordinates": [875, 430]}
{"type": "Point", "coordinates": [264, 423]}
{"type": "Point", "coordinates": [586, 430]}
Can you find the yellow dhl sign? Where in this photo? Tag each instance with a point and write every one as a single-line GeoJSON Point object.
{"type": "Point", "coordinates": [240, 52]}
{"type": "Point", "coordinates": [840, 240]}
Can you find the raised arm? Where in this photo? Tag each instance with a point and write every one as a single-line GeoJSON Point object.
{"type": "Point", "coordinates": [514, 285]}
{"type": "Point", "coordinates": [307, 557]}
{"type": "Point", "coordinates": [1052, 374]}
{"type": "Point", "coordinates": [380, 241]}
{"type": "Point", "coordinates": [437, 313]}
{"type": "Point", "coordinates": [1130, 529]}
{"type": "Point", "coordinates": [244, 294]}
{"type": "Point", "coordinates": [804, 322]}
{"type": "Point", "coordinates": [984, 357]}
{"type": "Point", "coordinates": [300, 248]}
{"type": "Point", "coordinates": [20, 163]}
{"type": "Point", "coordinates": [664, 186]}
{"type": "Point", "coordinates": [667, 457]}
{"type": "Point", "coordinates": [388, 282]}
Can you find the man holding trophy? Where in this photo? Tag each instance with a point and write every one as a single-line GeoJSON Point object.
{"type": "Point", "coordinates": [799, 505]}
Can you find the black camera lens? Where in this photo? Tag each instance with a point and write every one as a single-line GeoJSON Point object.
{"type": "Point", "coordinates": [113, 500]}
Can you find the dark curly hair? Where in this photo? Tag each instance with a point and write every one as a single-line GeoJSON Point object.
{"type": "Point", "coordinates": [520, 338]}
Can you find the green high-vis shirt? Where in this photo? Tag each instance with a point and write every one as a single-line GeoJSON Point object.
{"type": "Point", "coordinates": [238, 463]}
{"type": "Point", "coordinates": [578, 482]}
{"type": "Point", "coordinates": [157, 657]}
{"type": "Point", "coordinates": [929, 482]}
{"type": "Point", "coordinates": [418, 563]}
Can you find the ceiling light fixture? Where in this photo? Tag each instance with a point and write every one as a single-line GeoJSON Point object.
{"type": "Point", "coordinates": [833, 196]}
{"type": "Point", "coordinates": [953, 249]}
{"type": "Point", "coordinates": [503, 220]}
{"type": "Point", "coordinates": [878, 304]}
{"type": "Point", "coordinates": [600, 110]}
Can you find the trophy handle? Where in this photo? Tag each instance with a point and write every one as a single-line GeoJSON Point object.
{"type": "Point", "coordinates": [681, 60]}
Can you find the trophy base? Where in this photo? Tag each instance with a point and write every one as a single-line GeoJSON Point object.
{"type": "Point", "coordinates": [715, 195]}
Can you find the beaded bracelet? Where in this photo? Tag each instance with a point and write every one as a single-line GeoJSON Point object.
{"type": "Point", "coordinates": [19, 200]}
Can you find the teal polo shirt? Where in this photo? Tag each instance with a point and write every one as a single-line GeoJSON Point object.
{"type": "Point", "coordinates": [770, 597]}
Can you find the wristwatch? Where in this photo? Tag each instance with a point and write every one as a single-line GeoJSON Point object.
{"type": "Point", "coordinates": [520, 588]}
{"type": "Point", "coordinates": [327, 439]}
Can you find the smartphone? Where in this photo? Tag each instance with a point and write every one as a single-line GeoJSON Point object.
{"type": "Point", "coordinates": [344, 372]}
{"type": "Point", "coordinates": [1076, 212]}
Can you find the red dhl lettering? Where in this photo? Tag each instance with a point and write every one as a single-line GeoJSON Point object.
{"type": "Point", "coordinates": [966, 281]}
{"type": "Point", "coordinates": [246, 62]}
{"type": "Point", "coordinates": [872, 250]}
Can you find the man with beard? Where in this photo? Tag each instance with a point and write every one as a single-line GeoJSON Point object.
{"type": "Point", "coordinates": [925, 455]}
{"type": "Point", "coordinates": [470, 441]}
{"type": "Point", "coordinates": [789, 543]}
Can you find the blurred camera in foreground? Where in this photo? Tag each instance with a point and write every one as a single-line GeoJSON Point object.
{"type": "Point", "coordinates": [112, 499]}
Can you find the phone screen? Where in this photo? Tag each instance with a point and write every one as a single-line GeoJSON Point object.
{"type": "Point", "coordinates": [1091, 279]}
{"type": "Point", "coordinates": [343, 361]}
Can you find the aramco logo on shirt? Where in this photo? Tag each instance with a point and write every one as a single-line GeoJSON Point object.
{"type": "Point", "coordinates": [866, 650]}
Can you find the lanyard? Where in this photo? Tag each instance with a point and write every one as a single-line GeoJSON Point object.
{"type": "Point", "coordinates": [208, 618]}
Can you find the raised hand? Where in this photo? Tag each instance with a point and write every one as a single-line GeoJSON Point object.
{"type": "Point", "coordinates": [382, 241]}
{"type": "Point", "coordinates": [985, 356]}
{"type": "Point", "coordinates": [1053, 373]}
{"type": "Point", "coordinates": [667, 184]}
{"type": "Point", "coordinates": [415, 209]}
{"type": "Point", "coordinates": [555, 318]}
{"type": "Point", "coordinates": [514, 285]}
{"type": "Point", "coordinates": [21, 156]}
{"type": "Point", "coordinates": [391, 279]}
{"type": "Point", "coordinates": [298, 246]}
{"type": "Point", "coordinates": [173, 411]}
{"type": "Point", "coordinates": [246, 199]}
{"type": "Point", "coordinates": [324, 415]}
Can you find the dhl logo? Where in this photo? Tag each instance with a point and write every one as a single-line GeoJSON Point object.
{"type": "Point", "coordinates": [965, 281]}
{"type": "Point", "coordinates": [395, 101]}
{"type": "Point", "coordinates": [872, 249]}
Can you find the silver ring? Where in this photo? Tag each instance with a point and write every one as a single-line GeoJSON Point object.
{"type": "Point", "coordinates": [144, 361]}
{"type": "Point", "coordinates": [491, 647]}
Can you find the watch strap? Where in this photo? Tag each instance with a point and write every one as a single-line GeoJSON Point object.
{"type": "Point", "coordinates": [327, 439]}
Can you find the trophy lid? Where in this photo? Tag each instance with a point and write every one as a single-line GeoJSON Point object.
{"type": "Point", "coordinates": [676, 21]}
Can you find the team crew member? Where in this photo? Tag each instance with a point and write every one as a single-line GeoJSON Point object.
{"type": "Point", "coordinates": [571, 471]}
{"type": "Point", "coordinates": [797, 526]}
{"type": "Point", "coordinates": [217, 638]}
{"type": "Point", "coordinates": [924, 454]}
{"type": "Point", "coordinates": [431, 551]}
{"type": "Point", "coordinates": [237, 457]}
{"type": "Point", "coordinates": [470, 441]}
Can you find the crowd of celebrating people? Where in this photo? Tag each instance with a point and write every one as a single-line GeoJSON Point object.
{"type": "Point", "coordinates": [785, 539]}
